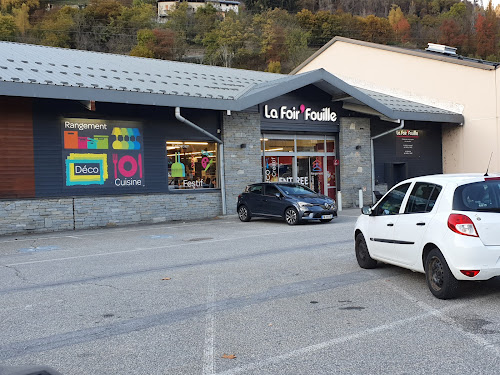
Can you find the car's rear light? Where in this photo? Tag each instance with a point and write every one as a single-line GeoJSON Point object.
{"type": "Point", "coordinates": [462, 224]}
{"type": "Point", "coordinates": [239, 196]}
{"type": "Point", "coordinates": [491, 178]}
{"type": "Point", "coordinates": [470, 273]}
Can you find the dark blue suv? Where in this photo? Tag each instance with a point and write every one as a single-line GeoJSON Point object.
{"type": "Point", "coordinates": [291, 201]}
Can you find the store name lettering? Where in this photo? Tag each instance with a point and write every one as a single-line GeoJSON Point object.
{"type": "Point", "coordinates": [192, 184]}
{"type": "Point", "coordinates": [293, 113]}
{"type": "Point", "coordinates": [407, 133]}
{"type": "Point", "coordinates": [84, 126]}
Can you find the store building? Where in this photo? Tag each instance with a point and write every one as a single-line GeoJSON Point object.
{"type": "Point", "coordinates": [92, 140]}
{"type": "Point", "coordinates": [437, 77]}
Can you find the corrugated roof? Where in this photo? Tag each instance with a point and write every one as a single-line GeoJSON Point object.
{"type": "Point", "coordinates": [39, 65]}
{"type": "Point", "coordinates": [47, 72]}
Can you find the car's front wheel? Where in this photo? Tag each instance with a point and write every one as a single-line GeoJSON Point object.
{"type": "Point", "coordinates": [362, 255]}
{"type": "Point", "coordinates": [244, 213]}
{"type": "Point", "coordinates": [291, 216]}
{"type": "Point", "coordinates": [440, 280]}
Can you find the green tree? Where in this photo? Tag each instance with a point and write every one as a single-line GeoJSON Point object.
{"type": "Point", "coordinates": [399, 24]}
{"type": "Point", "coordinates": [22, 18]}
{"type": "Point", "coordinates": [206, 19]}
{"type": "Point", "coordinates": [377, 30]}
{"type": "Point", "coordinates": [145, 40]}
{"type": "Point", "coordinates": [56, 29]}
{"type": "Point", "coordinates": [9, 5]}
{"type": "Point", "coordinates": [123, 27]}
{"type": "Point", "coordinates": [8, 28]}
{"type": "Point", "coordinates": [227, 41]}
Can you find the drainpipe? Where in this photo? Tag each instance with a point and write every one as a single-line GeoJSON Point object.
{"type": "Point", "coordinates": [373, 153]}
{"type": "Point", "coordinates": [221, 154]}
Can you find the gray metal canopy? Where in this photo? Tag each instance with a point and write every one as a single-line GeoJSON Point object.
{"type": "Point", "coordinates": [57, 73]}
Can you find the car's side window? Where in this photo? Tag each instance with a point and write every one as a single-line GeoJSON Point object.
{"type": "Point", "coordinates": [255, 189]}
{"type": "Point", "coordinates": [271, 190]}
{"type": "Point", "coordinates": [422, 198]}
{"type": "Point", "coordinates": [391, 203]}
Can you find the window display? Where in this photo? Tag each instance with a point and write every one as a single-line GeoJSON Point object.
{"type": "Point", "coordinates": [192, 165]}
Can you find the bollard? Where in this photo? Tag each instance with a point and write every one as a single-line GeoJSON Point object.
{"type": "Point", "coordinates": [360, 198]}
{"type": "Point", "coordinates": [339, 201]}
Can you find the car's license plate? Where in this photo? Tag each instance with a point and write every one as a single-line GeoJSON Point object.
{"type": "Point", "coordinates": [327, 216]}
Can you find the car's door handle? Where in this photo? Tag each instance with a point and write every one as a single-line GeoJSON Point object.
{"type": "Point", "coordinates": [390, 225]}
{"type": "Point", "coordinates": [421, 223]}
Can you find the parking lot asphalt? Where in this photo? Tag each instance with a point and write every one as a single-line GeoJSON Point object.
{"type": "Point", "coordinates": [224, 297]}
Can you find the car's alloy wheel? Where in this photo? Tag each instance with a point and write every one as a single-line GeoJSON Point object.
{"type": "Point", "coordinates": [362, 255]}
{"type": "Point", "coordinates": [440, 280]}
{"type": "Point", "coordinates": [243, 213]}
{"type": "Point", "coordinates": [291, 216]}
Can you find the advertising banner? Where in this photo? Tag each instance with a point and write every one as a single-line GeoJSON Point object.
{"type": "Point", "coordinates": [407, 143]}
{"type": "Point", "coordinates": [102, 153]}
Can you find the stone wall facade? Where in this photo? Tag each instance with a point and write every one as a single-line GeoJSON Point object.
{"type": "Point", "coordinates": [50, 215]}
{"type": "Point", "coordinates": [355, 161]}
{"type": "Point", "coordinates": [242, 154]}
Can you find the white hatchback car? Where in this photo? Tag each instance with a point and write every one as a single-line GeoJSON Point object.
{"type": "Point", "coordinates": [446, 226]}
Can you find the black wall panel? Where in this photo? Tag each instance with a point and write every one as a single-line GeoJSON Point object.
{"type": "Point", "coordinates": [158, 125]}
{"type": "Point", "coordinates": [423, 158]}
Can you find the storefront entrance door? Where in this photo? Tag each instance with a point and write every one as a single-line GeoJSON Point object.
{"type": "Point", "coordinates": [306, 160]}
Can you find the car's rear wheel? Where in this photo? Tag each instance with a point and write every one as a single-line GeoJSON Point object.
{"type": "Point", "coordinates": [362, 255]}
{"type": "Point", "coordinates": [291, 216]}
{"type": "Point", "coordinates": [440, 280]}
{"type": "Point", "coordinates": [244, 213]}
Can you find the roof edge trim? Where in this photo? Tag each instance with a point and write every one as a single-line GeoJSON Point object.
{"type": "Point", "coordinates": [395, 49]}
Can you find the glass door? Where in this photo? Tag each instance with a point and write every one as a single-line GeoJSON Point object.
{"type": "Point", "coordinates": [308, 160]}
{"type": "Point", "coordinates": [310, 172]}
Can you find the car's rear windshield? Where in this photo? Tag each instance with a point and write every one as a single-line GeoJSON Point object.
{"type": "Point", "coordinates": [296, 190]}
{"type": "Point", "coordinates": [483, 196]}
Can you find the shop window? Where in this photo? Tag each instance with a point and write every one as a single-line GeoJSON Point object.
{"type": "Point", "coordinates": [310, 145]}
{"type": "Point", "coordinates": [192, 165]}
{"type": "Point", "coordinates": [279, 145]}
{"type": "Point", "coordinates": [278, 168]}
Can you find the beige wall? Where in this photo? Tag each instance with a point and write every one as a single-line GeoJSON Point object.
{"type": "Point", "coordinates": [468, 90]}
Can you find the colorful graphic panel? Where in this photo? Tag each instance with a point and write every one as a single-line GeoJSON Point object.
{"type": "Point", "coordinates": [99, 153]}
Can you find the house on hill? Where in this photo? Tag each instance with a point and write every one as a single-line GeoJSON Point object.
{"type": "Point", "coordinates": [222, 6]}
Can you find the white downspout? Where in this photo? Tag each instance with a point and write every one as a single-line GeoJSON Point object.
{"type": "Point", "coordinates": [373, 153]}
{"type": "Point", "coordinates": [221, 154]}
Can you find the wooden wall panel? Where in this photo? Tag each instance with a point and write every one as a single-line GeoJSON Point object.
{"type": "Point", "coordinates": [17, 167]}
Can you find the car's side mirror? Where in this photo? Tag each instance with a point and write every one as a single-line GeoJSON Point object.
{"type": "Point", "coordinates": [366, 210]}
{"type": "Point", "coordinates": [277, 195]}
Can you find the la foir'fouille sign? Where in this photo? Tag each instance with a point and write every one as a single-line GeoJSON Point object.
{"type": "Point", "coordinates": [102, 153]}
{"type": "Point", "coordinates": [299, 113]}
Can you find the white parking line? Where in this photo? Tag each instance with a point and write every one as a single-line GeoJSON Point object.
{"type": "Point", "coordinates": [208, 351]}
{"type": "Point", "coordinates": [479, 340]}
{"type": "Point", "coordinates": [327, 344]}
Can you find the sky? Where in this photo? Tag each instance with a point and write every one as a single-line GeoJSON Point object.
{"type": "Point", "coordinates": [495, 3]}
